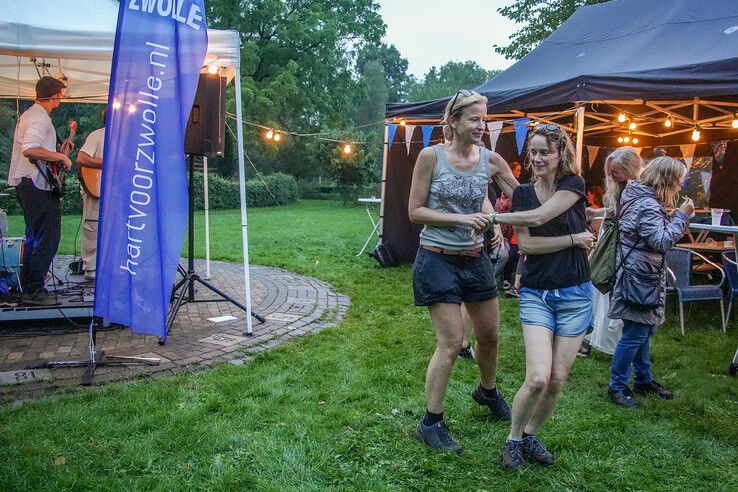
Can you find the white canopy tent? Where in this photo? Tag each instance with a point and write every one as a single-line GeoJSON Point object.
{"type": "Point", "coordinates": [74, 39]}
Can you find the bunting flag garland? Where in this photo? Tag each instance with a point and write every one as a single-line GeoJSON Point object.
{"type": "Point", "coordinates": [409, 129]}
{"type": "Point", "coordinates": [427, 131]}
{"type": "Point", "coordinates": [521, 132]}
{"type": "Point", "coordinates": [391, 130]}
{"type": "Point", "coordinates": [592, 154]}
{"type": "Point", "coordinates": [494, 128]}
{"type": "Point", "coordinates": [688, 153]}
{"type": "Point", "coordinates": [638, 150]}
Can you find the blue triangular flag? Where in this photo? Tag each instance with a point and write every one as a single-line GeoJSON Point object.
{"type": "Point", "coordinates": [392, 129]}
{"type": "Point", "coordinates": [521, 132]}
{"type": "Point", "coordinates": [427, 130]}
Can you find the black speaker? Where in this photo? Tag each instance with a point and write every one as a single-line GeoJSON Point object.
{"type": "Point", "coordinates": [205, 133]}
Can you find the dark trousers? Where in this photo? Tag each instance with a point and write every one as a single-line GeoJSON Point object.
{"type": "Point", "coordinates": [42, 214]}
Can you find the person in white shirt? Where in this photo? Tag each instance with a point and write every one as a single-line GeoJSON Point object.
{"type": "Point", "coordinates": [35, 138]}
{"type": "Point", "coordinates": [90, 162]}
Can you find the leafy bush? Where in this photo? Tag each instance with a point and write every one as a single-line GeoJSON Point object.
{"type": "Point", "coordinates": [275, 189]}
{"type": "Point", "coordinates": [72, 204]}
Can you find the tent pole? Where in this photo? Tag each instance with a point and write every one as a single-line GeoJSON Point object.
{"type": "Point", "coordinates": [580, 135]}
{"type": "Point", "coordinates": [207, 215]}
{"type": "Point", "coordinates": [384, 181]}
{"type": "Point", "coordinates": [242, 191]}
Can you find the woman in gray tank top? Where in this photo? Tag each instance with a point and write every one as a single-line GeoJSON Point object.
{"type": "Point", "coordinates": [448, 196]}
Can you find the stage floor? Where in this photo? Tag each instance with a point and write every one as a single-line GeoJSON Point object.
{"type": "Point", "coordinates": [203, 334]}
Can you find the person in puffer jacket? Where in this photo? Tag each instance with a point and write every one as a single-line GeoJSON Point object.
{"type": "Point", "coordinates": [647, 232]}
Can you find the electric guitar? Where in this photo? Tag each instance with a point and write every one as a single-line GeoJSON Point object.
{"type": "Point", "coordinates": [55, 172]}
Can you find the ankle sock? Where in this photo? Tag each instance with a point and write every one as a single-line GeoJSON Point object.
{"type": "Point", "coordinates": [431, 418]}
{"type": "Point", "coordinates": [489, 393]}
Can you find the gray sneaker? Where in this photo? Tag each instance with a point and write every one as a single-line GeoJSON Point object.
{"type": "Point", "coordinates": [497, 404]}
{"type": "Point", "coordinates": [437, 436]}
{"type": "Point", "coordinates": [512, 455]}
{"type": "Point", "coordinates": [534, 449]}
{"type": "Point", "coordinates": [40, 298]}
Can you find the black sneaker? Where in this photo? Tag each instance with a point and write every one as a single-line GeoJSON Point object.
{"type": "Point", "coordinates": [40, 298]}
{"type": "Point", "coordinates": [497, 404]}
{"type": "Point", "coordinates": [624, 398]}
{"type": "Point", "coordinates": [585, 349]}
{"type": "Point", "coordinates": [437, 436]}
{"type": "Point", "coordinates": [512, 455]}
{"type": "Point", "coordinates": [534, 449]}
{"type": "Point", "coordinates": [467, 352]}
{"type": "Point", "coordinates": [655, 388]}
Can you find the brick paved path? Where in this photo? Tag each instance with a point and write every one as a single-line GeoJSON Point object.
{"type": "Point", "coordinates": [293, 305]}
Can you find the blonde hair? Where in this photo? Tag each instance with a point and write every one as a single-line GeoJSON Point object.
{"type": "Point", "coordinates": [455, 108]}
{"type": "Point", "coordinates": [632, 163]}
{"type": "Point", "coordinates": [559, 139]}
{"type": "Point", "coordinates": [664, 175]}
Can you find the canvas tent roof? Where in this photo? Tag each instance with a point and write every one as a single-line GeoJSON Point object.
{"type": "Point", "coordinates": [621, 49]}
{"type": "Point", "coordinates": [75, 37]}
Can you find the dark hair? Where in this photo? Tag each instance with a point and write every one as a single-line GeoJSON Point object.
{"type": "Point", "coordinates": [47, 87]}
{"type": "Point", "coordinates": [558, 138]}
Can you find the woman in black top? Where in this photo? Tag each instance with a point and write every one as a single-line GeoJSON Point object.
{"type": "Point", "coordinates": [556, 294]}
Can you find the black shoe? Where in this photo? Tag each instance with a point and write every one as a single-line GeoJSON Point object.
{"type": "Point", "coordinates": [534, 449]}
{"type": "Point", "coordinates": [437, 436]}
{"type": "Point", "coordinates": [467, 352]}
{"type": "Point", "coordinates": [655, 388]}
{"type": "Point", "coordinates": [40, 298]}
{"type": "Point", "coordinates": [497, 404]}
{"type": "Point", "coordinates": [585, 349]}
{"type": "Point", "coordinates": [624, 398]}
{"type": "Point", "coordinates": [512, 292]}
{"type": "Point", "coordinates": [512, 454]}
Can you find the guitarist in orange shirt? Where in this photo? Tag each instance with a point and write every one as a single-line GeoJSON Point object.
{"type": "Point", "coordinates": [89, 159]}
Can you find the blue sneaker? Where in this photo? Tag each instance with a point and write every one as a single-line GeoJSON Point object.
{"type": "Point", "coordinates": [438, 437]}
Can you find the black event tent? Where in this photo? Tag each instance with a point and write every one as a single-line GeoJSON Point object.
{"type": "Point", "coordinates": [646, 61]}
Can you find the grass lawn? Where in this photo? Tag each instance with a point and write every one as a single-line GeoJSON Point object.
{"type": "Point", "coordinates": [336, 410]}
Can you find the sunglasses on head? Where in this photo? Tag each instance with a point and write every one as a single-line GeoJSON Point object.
{"type": "Point", "coordinates": [464, 93]}
{"type": "Point", "coordinates": [546, 128]}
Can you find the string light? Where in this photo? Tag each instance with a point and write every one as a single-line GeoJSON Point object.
{"type": "Point", "coordinates": [734, 123]}
{"type": "Point", "coordinates": [277, 137]}
{"type": "Point", "coordinates": [212, 69]}
{"type": "Point", "coordinates": [620, 139]}
{"type": "Point", "coordinates": [621, 117]}
{"type": "Point", "coordinates": [632, 126]}
{"type": "Point", "coordinates": [668, 122]}
{"type": "Point", "coordinates": [131, 108]}
{"type": "Point", "coordinates": [269, 134]}
{"type": "Point", "coordinates": [696, 134]}
{"type": "Point", "coordinates": [635, 140]}
{"type": "Point", "coordinates": [347, 149]}
{"type": "Point", "coordinates": [626, 139]}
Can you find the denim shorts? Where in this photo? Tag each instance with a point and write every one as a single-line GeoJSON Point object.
{"type": "Point", "coordinates": [452, 279]}
{"type": "Point", "coordinates": [567, 311]}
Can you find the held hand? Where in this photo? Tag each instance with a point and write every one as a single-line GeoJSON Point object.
{"type": "Point", "coordinates": [687, 207]}
{"type": "Point", "coordinates": [496, 241]}
{"type": "Point", "coordinates": [584, 240]}
{"type": "Point", "coordinates": [479, 222]}
{"type": "Point", "coordinates": [67, 163]}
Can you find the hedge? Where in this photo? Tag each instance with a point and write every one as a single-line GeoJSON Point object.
{"type": "Point", "coordinates": [280, 189]}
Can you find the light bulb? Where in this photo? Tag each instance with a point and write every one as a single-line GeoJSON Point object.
{"type": "Point", "coordinates": [635, 140]}
{"type": "Point", "coordinates": [734, 124]}
{"type": "Point", "coordinates": [696, 135]}
{"type": "Point", "coordinates": [131, 108]}
{"type": "Point", "coordinates": [116, 104]}
{"type": "Point", "coordinates": [626, 139]}
{"type": "Point", "coordinates": [277, 137]}
{"type": "Point", "coordinates": [620, 139]}
{"type": "Point", "coordinates": [347, 149]}
{"type": "Point", "coordinates": [402, 122]}
{"type": "Point", "coordinates": [212, 69]}
{"type": "Point", "coordinates": [269, 135]}
{"type": "Point", "coordinates": [632, 126]}
{"type": "Point", "coordinates": [667, 122]}
{"type": "Point", "coordinates": [621, 117]}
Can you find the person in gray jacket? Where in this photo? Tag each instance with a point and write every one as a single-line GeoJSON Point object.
{"type": "Point", "coordinates": [647, 232]}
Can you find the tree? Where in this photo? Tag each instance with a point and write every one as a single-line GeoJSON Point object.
{"type": "Point", "coordinates": [541, 18]}
{"type": "Point", "coordinates": [394, 65]}
{"type": "Point", "coordinates": [444, 81]}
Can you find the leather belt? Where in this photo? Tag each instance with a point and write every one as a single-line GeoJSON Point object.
{"type": "Point", "coordinates": [473, 253]}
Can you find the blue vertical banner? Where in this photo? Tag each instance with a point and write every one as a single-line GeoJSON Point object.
{"type": "Point", "coordinates": [521, 132]}
{"type": "Point", "coordinates": [159, 51]}
{"type": "Point", "coordinates": [391, 130]}
{"type": "Point", "coordinates": [427, 131]}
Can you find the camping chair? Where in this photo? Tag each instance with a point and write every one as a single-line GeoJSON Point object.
{"type": "Point", "coordinates": [679, 267]}
{"type": "Point", "coordinates": [731, 271]}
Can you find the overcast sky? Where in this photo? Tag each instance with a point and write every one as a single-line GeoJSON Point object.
{"type": "Point", "coordinates": [433, 32]}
